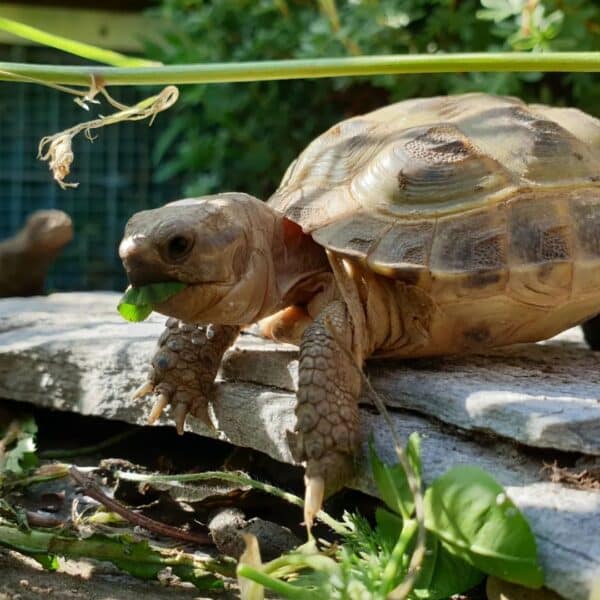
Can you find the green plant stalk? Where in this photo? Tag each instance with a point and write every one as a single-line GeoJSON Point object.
{"type": "Point", "coordinates": [306, 68]}
{"type": "Point", "coordinates": [71, 46]}
{"type": "Point", "coordinates": [286, 590]}
{"type": "Point", "coordinates": [111, 550]}
{"type": "Point", "coordinates": [236, 478]}
{"type": "Point", "coordinates": [409, 528]}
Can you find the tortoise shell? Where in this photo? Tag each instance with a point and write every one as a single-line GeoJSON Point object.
{"type": "Point", "coordinates": [477, 217]}
{"type": "Point", "coordinates": [458, 186]}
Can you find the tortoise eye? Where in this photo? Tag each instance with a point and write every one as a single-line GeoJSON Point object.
{"type": "Point", "coordinates": [179, 246]}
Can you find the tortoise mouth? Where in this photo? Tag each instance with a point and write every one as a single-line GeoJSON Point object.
{"type": "Point", "coordinates": [138, 302]}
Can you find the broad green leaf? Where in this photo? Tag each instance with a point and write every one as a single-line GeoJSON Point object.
{"type": "Point", "coordinates": [138, 302]}
{"type": "Point", "coordinates": [389, 525]}
{"type": "Point", "coordinates": [444, 574]}
{"type": "Point", "coordinates": [470, 512]}
{"type": "Point", "coordinates": [391, 480]}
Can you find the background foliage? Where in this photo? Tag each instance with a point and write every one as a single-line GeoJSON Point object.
{"type": "Point", "coordinates": [243, 136]}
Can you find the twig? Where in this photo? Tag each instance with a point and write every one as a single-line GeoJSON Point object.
{"type": "Point", "coordinates": [92, 490]}
{"type": "Point", "coordinates": [35, 519]}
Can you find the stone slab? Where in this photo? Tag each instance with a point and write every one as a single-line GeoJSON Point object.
{"type": "Point", "coordinates": [73, 352]}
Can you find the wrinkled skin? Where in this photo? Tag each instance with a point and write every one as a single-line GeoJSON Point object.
{"type": "Point", "coordinates": [26, 257]}
{"type": "Point", "coordinates": [243, 263]}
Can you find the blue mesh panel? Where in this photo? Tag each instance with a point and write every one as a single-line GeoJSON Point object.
{"type": "Point", "coordinates": [114, 173]}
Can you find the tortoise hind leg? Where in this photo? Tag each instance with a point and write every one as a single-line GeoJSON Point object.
{"type": "Point", "coordinates": [327, 428]}
{"type": "Point", "coordinates": [591, 332]}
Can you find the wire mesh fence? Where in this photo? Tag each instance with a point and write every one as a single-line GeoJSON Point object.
{"type": "Point", "coordinates": [114, 173]}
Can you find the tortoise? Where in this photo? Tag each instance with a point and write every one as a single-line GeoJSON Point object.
{"type": "Point", "coordinates": [428, 227]}
{"type": "Point", "coordinates": [26, 257]}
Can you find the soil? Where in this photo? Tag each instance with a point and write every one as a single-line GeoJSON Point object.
{"type": "Point", "coordinates": [21, 578]}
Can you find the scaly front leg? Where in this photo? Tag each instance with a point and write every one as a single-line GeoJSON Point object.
{"type": "Point", "coordinates": [184, 368]}
{"type": "Point", "coordinates": [327, 430]}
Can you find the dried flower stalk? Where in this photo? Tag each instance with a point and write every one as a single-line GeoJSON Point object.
{"type": "Point", "coordinates": [57, 148]}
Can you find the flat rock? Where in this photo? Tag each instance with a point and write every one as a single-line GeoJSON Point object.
{"type": "Point", "coordinates": [73, 352]}
{"type": "Point", "coordinates": [544, 395]}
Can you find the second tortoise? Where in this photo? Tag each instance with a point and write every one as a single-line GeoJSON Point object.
{"type": "Point", "coordinates": [432, 226]}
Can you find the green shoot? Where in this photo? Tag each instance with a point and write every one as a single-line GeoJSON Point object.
{"type": "Point", "coordinates": [80, 49]}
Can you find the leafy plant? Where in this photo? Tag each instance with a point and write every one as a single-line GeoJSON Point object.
{"type": "Point", "coordinates": [17, 448]}
{"type": "Point", "coordinates": [140, 558]}
{"type": "Point", "coordinates": [473, 529]}
{"type": "Point", "coordinates": [243, 136]}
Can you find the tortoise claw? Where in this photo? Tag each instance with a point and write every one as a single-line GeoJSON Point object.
{"type": "Point", "coordinates": [201, 412]}
{"type": "Point", "coordinates": [313, 499]}
{"type": "Point", "coordinates": [157, 410]}
{"type": "Point", "coordinates": [143, 390]}
{"type": "Point", "coordinates": [179, 414]}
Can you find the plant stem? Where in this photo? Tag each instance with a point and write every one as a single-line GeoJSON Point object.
{"type": "Point", "coordinates": [282, 588]}
{"type": "Point", "coordinates": [92, 490]}
{"type": "Point", "coordinates": [306, 68]}
{"type": "Point", "coordinates": [119, 550]}
{"type": "Point", "coordinates": [394, 565]}
{"type": "Point", "coordinates": [71, 46]}
{"type": "Point", "coordinates": [236, 478]}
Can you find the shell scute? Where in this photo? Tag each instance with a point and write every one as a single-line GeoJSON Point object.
{"type": "Point", "coordinates": [353, 236]}
{"type": "Point", "coordinates": [541, 250]}
{"type": "Point", "coordinates": [403, 251]}
{"type": "Point", "coordinates": [468, 194]}
{"type": "Point", "coordinates": [427, 169]}
{"type": "Point", "coordinates": [469, 255]}
{"type": "Point", "coordinates": [585, 212]}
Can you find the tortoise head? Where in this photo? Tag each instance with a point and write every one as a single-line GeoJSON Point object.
{"type": "Point", "coordinates": [47, 231]}
{"type": "Point", "coordinates": [219, 246]}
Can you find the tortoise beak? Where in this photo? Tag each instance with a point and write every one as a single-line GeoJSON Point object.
{"type": "Point", "coordinates": [141, 261]}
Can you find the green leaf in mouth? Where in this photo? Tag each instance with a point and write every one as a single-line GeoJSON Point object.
{"type": "Point", "coordinates": [138, 302]}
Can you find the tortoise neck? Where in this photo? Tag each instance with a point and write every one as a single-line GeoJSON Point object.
{"type": "Point", "coordinates": [299, 263]}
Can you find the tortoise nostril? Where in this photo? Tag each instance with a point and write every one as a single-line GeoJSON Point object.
{"type": "Point", "coordinates": [178, 247]}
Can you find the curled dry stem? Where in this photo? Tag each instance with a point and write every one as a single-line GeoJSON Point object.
{"type": "Point", "coordinates": [57, 148]}
{"type": "Point", "coordinates": [92, 490]}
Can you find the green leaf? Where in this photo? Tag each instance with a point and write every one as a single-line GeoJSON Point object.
{"type": "Point", "coordinates": [134, 313]}
{"type": "Point", "coordinates": [21, 456]}
{"type": "Point", "coordinates": [48, 561]}
{"type": "Point", "coordinates": [391, 480]}
{"type": "Point", "coordinates": [470, 512]}
{"type": "Point", "coordinates": [138, 302]}
{"type": "Point", "coordinates": [389, 526]}
{"type": "Point", "coordinates": [444, 574]}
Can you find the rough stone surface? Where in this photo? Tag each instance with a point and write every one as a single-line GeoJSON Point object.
{"type": "Point", "coordinates": [229, 524]}
{"type": "Point", "coordinates": [73, 352]}
{"type": "Point", "coordinates": [544, 395]}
